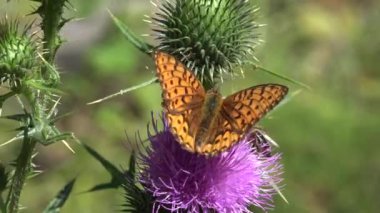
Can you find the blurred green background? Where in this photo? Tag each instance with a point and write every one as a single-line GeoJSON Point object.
{"type": "Point", "coordinates": [328, 136]}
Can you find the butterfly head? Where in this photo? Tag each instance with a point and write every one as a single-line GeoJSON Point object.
{"type": "Point", "coordinates": [213, 99]}
{"type": "Point", "coordinates": [214, 91]}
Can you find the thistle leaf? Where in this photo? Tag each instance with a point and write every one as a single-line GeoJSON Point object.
{"type": "Point", "coordinates": [18, 117]}
{"type": "Point", "coordinates": [136, 199]}
{"type": "Point", "coordinates": [117, 177]}
{"type": "Point", "coordinates": [56, 204]}
{"type": "Point", "coordinates": [132, 165]}
{"type": "Point", "coordinates": [40, 85]}
{"type": "Point", "coordinates": [130, 36]}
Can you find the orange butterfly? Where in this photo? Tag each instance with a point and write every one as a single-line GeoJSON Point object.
{"type": "Point", "coordinates": [204, 122]}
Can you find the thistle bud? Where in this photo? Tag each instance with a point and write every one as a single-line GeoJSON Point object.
{"type": "Point", "coordinates": [17, 53]}
{"type": "Point", "coordinates": [209, 36]}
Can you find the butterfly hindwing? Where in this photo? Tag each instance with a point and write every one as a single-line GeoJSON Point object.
{"type": "Point", "coordinates": [223, 136]}
{"type": "Point", "coordinates": [239, 113]}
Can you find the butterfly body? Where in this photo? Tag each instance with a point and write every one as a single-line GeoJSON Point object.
{"type": "Point", "coordinates": [204, 122]}
{"type": "Point", "coordinates": [210, 109]}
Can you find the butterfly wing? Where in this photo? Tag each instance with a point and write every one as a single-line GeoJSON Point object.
{"type": "Point", "coordinates": [183, 96]}
{"type": "Point", "coordinates": [223, 135]}
{"type": "Point", "coordinates": [244, 108]}
{"type": "Point", "coordinates": [240, 112]}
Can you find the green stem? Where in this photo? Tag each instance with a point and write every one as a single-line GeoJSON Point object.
{"type": "Point", "coordinates": [24, 159]}
{"type": "Point", "coordinates": [51, 14]}
{"type": "Point", "coordinates": [3, 207]}
{"type": "Point", "coordinates": [23, 168]}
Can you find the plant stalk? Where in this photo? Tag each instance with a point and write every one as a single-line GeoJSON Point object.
{"type": "Point", "coordinates": [51, 14]}
{"type": "Point", "coordinates": [23, 168]}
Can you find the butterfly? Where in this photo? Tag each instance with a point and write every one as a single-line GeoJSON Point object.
{"type": "Point", "coordinates": [202, 121]}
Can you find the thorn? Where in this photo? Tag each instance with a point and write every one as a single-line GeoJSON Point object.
{"type": "Point", "coordinates": [242, 72]}
{"type": "Point", "coordinates": [68, 146]}
{"type": "Point", "coordinates": [54, 107]}
{"type": "Point", "coordinates": [154, 4]}
{"type": "Point", "coordinates": [121, 92]}
{"type": "Point", "coordinates": [10, 141]}
{"type": "Point", "coordinates": [34, 155]}
{"type": "Point", "coordinates": [275, 187]}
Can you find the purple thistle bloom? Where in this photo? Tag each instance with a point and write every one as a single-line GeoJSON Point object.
{"type": "Point", "coordinates": [228, 182]}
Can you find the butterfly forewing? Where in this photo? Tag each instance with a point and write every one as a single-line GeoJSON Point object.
{"type": "Point", "coordinates": [181, 89]}
{"type": "Point", "coordinates": [244, 108]}
{"type": "Point", "coordinates": [183, 98]}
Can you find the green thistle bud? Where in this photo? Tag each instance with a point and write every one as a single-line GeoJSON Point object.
{"type": "Point", "coordinates": [209, 36]}
{"type": "Point", "coordinates": [18, 53]}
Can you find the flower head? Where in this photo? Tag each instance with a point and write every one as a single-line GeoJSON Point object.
{"type": "Point", "coordinates": [229, 182]}
{"type": "Point", "coordinates": [18, 53]}
{"type": "Point", "coordinates": [209, 36]}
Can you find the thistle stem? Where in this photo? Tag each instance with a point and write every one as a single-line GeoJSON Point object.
{"type": "Point", "coordinates": [22, 170]}
{"type": "Point", "coordinates": [24, 159]}
{"type": "Point", "coordinates": [2, 205]}
{"type": "Point", "coordinates": [51, 14]}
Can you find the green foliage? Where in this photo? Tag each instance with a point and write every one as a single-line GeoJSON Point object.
{"type": "Point", "coordinates": [130, 36]}
{"type": "Point", "coordinates": [117, 176]}
{"type": "Point", "coordinates": [136, 199]}
{"type": "Point", "coordinates": [56, 204]}
{"type": "Point", "coordinates": [36, 80]}
{"type": "Point", "coordinates": [18, 55]}
{"type": "Point", "coordinates": [51, 13]}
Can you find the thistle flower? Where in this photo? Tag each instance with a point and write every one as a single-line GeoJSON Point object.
{"type": "Point", "coordinates": [229, 182]}
{"type": "Point", "coordinates": [209, 36]}
{"type": "Point", "coordinates": [18, 53]}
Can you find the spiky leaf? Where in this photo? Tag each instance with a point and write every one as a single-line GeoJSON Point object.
{"type": "Point", "coordinates": [136, 199]}
{"type": "Point", "coordinates": [117, 177]}
{"type": "Point", "coordinates": [56, 204]}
